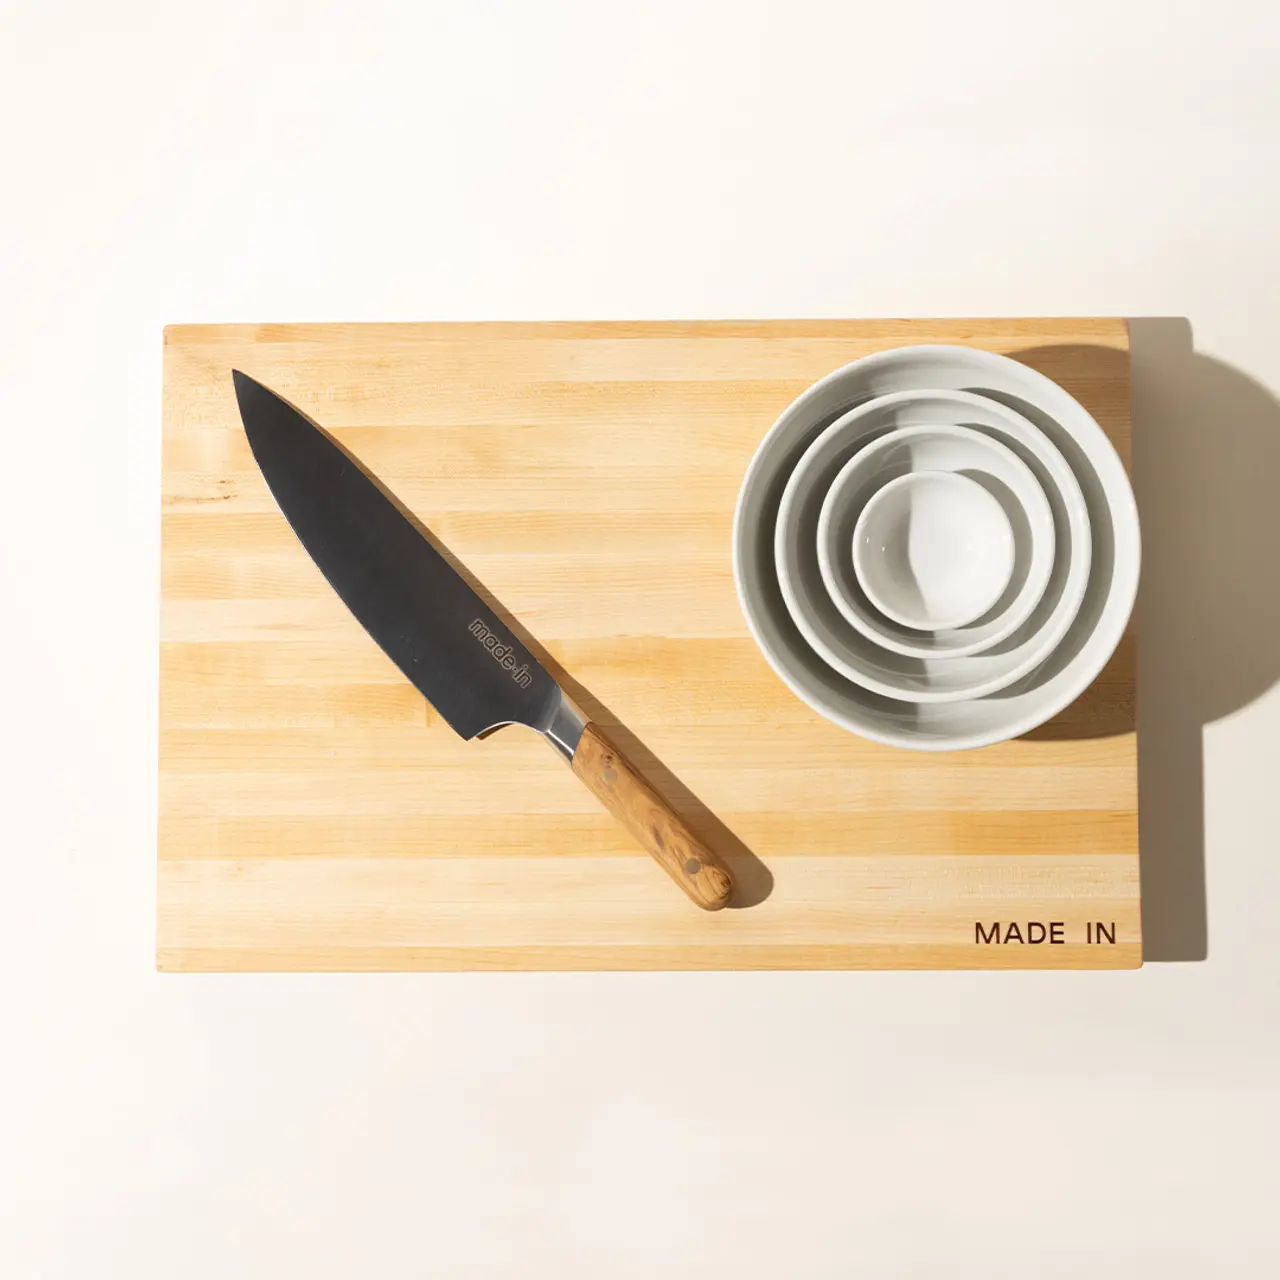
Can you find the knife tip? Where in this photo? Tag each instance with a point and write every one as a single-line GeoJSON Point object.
{"type": "Point", "coordinates": [251, 399]}
{"type": "Point", "coordinates": [247, 389]}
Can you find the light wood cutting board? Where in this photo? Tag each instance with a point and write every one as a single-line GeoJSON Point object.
{"type": "Point", "coordinates": [316, 814]}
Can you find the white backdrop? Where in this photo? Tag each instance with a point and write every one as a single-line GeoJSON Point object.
{"type": "Point", "coordinates": [313, 161]}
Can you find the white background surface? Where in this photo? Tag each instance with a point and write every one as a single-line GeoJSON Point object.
{"type": "Point", "coordinates": [175, 162]}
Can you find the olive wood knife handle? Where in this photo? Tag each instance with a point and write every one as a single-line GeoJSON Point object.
{"type": "Point", "coordinates": [617, 784]}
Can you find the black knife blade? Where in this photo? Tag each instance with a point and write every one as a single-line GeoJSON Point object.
{"type": "Point", "coordinates": [426, 618]}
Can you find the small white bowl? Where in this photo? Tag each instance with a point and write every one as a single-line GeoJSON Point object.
{"type": "Point", "coordinates": [941, 448]}
{"type": "Point", "coordinates": [933, 549]}
{"type": "Point", "coordinates": [868, 664]}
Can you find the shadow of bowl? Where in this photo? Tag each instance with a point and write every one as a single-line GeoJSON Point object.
{"type": "Point", "coordinates": [1206, 462]}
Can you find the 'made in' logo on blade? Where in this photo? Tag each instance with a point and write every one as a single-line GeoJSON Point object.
{"type": "Point", "coordinates": [502, 654]}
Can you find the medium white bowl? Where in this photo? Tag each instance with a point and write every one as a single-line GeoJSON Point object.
{"type": "Point", "coordinates": [1109, 596]}
{"type": "Point", "coordinates": [866, 663]}
{"type": "Point", "coordinates": [1007, 477]}
{"type": "Point", "coordinates": [933, 549]}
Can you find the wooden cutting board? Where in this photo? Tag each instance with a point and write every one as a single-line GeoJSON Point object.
{"type": "Point", "coordinates": [316, 814]}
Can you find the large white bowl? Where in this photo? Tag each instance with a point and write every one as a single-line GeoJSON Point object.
{"type": "Point", "coordinates": [1109, 596]}
{"type": "Point", "coordinates": [1013, 483]}
{"type": "Point", "coordinates": [865, 662]}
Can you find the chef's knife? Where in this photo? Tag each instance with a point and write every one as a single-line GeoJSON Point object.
{"type": "Point", "coordinates": [441, 634]}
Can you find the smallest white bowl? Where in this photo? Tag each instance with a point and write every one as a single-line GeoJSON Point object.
{"type": "Point", "coordinates": [933, 550]}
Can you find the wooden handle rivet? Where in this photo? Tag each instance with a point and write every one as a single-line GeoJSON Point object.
{"type": "Point", "coordinates": [692, 867]}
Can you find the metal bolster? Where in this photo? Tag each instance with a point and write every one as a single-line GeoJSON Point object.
{"type": "Point", "coordinates": [564, 729]}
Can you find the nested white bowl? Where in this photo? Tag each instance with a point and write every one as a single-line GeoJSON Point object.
{"type": "Point", "coordinates": [934, 549]}
{"type": "Point", "coordinates": [1109, 595]}
{"type": "Point", "coordinates": [949, 448]}
{"type": "Point", "coordinates": [864, 661]}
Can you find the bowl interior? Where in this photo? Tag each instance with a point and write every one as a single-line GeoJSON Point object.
{"type": "Point", "coordinates": [933, 549]}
